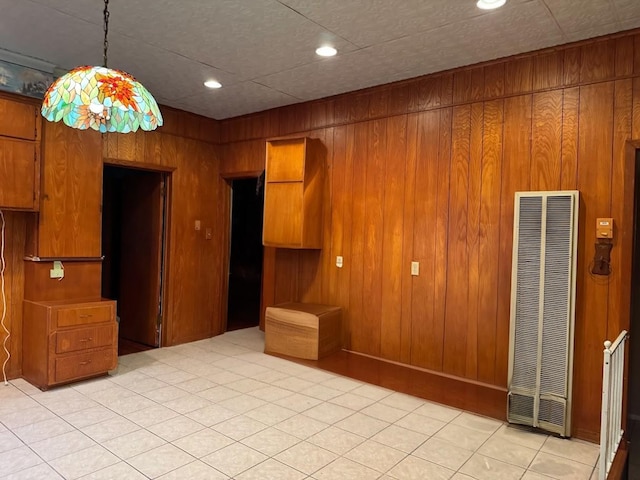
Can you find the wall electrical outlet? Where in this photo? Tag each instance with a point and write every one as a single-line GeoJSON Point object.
{"type": "Point", "coordinates": [415, 268]}
{"type": "Point", "coordinates": [339, 261]}
{"type": "Point", "coordinates": [197, 225]}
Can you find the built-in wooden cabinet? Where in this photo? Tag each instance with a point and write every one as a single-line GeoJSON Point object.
{"type": "Point", "coordinates": [20, 125]}
{"type": "Point", "coordinates": [64, 341]}
{"type": "Point", "coordinates": [70, 219]}
{"type": "Point", "coordinates": [293, 193]}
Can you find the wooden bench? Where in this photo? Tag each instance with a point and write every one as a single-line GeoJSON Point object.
{"type": "Point", "coordinates": [303, 330]}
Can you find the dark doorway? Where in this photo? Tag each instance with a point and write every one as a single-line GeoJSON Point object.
{"type": "Point", "coordinates": [133, 211]}
{"type": "Point", "coordinates": [245, 264]}
{"type": "Point", "coordinates": [633, 396]}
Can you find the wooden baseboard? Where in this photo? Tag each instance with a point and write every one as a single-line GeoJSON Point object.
{"type": "Point", "coordinates": [619, 465]}
{"type": "Point", "coordinates": [483, 399]}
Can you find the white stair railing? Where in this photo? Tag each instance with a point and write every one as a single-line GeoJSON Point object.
{"type": "Point", "coordinates": [612, 388]}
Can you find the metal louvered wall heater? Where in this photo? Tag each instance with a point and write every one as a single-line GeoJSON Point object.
{"type": "Point", "coordinates": [543, 286]}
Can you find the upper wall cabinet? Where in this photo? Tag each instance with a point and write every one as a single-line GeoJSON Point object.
{"type": "Point", "coordinates": [293, 193]}
{"type": "Point", "coordinates": [70, 219]}
{"type": "Point", "coordinates": [19, 155]}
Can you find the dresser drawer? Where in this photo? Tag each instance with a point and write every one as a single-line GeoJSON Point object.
{"type": "Point", "coordinates": [85, 338]}
{"type": "Point", "coordinates": [79, 365]}
{"type": "Point", "coordinates": [68, 317]}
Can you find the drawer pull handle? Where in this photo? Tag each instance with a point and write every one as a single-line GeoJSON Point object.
{"type": "Point", "coordinates": [85, 363]}
{"type": "Point", "coordinates": [86, 315]}
{"type": "Point", "coordinates": [90, 339]}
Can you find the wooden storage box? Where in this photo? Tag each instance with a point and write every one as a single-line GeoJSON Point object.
{"type": "Point", "coordinates": [303, 330]}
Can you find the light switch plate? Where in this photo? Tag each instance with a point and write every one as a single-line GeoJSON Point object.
{"type": "Point", "coordinates": [339, 261]}
{"type": "Point", "coordinates": [197, 225]}
{"type": "Point", "coordinates": [415, 268]}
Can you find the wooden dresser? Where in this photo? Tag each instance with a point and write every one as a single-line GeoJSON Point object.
{"type": "Point", "coordinates": [65, 341]}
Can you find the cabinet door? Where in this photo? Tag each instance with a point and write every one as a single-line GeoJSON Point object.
{"type": "Point", "coordinates": [70, 220]}
{"type": "Point", "coordinates": [18, 119]}
{"type": "Point", "coordinates": [17, 173]}
{"type": "Point", "coordinates": [283, 212]}
{"type": "Point", "coordinates": [285, 160]}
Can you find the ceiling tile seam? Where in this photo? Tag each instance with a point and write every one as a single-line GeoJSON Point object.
{"type": "Point", "coordinates": [318, 24]}
{"type": "Point", "coordinates": [178, 99]}
{"type": "Point", "coordinates": [181, 55]}
{"type": "Point", "coordinates": [276, 90]}
{"type": "Point", "coordinates": [42, 5]}
{"type": "Point", "coordinates": [565, 38]}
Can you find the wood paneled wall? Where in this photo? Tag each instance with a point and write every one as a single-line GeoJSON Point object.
{"type": "Point", "coordinates": [68, 224]}
{"type": "Point", "coordinates": [14, 247]}
{"type": "Point", "coordinates": [185, 148]}
{"type": "Point", "coordinates": [425, 170]}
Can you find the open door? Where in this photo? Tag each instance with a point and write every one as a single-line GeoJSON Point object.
{"type": "Point", "coordinates": [140, 272]}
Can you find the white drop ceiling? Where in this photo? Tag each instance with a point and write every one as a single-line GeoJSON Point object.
{"type": "Point", "coordinates": [263, 51]}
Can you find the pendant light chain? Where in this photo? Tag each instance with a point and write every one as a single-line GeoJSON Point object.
{"type": "Point", "coordinates": [106, 31]}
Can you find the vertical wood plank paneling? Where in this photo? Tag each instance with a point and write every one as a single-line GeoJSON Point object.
{"type": "Point", "coordinates": [358, 328]}
{"type": "Point", "coordinates": [570, 107]}
{"type": "Point", "coordinates": [594, 182]}
{"type": "Point", "coordinates": [473, 243]}
{"type": "Point", "coordinates": [462, 81]}
{"type": "Point", "coordinates": [399, 98]}
{"type": "Point", "coordinates": [624, 56]}
{"type": "Point", "coordinates": [425, 94]}
{"type": "Point", "coordinates": [571, 65]}
{"type": "Point", "coordinates": [494, 80]}
{"type": "Point", "coordinates": [547, 70]}
{"type": "Point", "coordinates": [598, 61]}
{"type": "Point", "coordinates": [546, 146]}
{"type": "Point", "coordinates": [373, 234]}
{"type": "Point", "coordinates": [392, 271]}
{"type": "Point", "coordinates": [516, 166]}
{"type": "Point", "coordinates": [455, 327]}
{"type": "Point", "coordinates": [426, 336]}
{"type": "Point", "coordinates": [518, 76]}
{"type": "Point", "coordinates": [338, 204]}
{"type": "Point", "coordinates": [408, 224]}
{"type": "Point", "coordinates": [618, 312]}
{"type": "Point", "coordinates": [14, 249]}
{"type": "Point", "coordinates": [286, 281]}
{"type": "Point", "coordinates": [310, 262]}
{"type": "Point", "coordinates": [635, 126]}
{"type": "Point", "coordinates": [379, 103]}
{"type": "Point", "coordinates": [446, 88]}
{"type": "Point", "coordinates": [344, 284]}
{"type": "Point", "coordinates": [327, 217]}
{"type": "Point", "coordinates": [636, 53]}
{"type": "Point", "coordinates": [268, 280]}
{"type": "Point", "coordinates": [441, 253]}
{"type": "Point", "coordinates": [489, 254]}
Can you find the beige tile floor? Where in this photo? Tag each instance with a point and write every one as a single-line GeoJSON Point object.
{"type": "Point", "coordinates": [220, 409]}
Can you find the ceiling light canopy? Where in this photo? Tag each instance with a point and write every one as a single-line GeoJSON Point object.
{"type": "Point", "coordinates": [101, 98]}
{"type": "Point", "coordinates": [490, 4]}
{"type": "Point", "coordinates": [212, 84]}
{"type": "Point", "coordinates": [326, 51]}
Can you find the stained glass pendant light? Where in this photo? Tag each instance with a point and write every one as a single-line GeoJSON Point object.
{"type": "Point", "coordinates": [101, 98]}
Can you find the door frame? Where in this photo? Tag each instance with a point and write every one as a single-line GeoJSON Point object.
{"type": "Point", "coordinates": [166, 321]}
{"type": "Point", "coordinates": [224, 297]}
{"type": "Point", "coordinates": [626, 239]}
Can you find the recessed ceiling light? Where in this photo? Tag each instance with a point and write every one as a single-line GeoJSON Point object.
{"type": "Point", "coordinates": [490, 4]}
{"type": "Point", "coordinates": [212, 84]}
{"type": "Point", "coordinates": [326, 51]}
